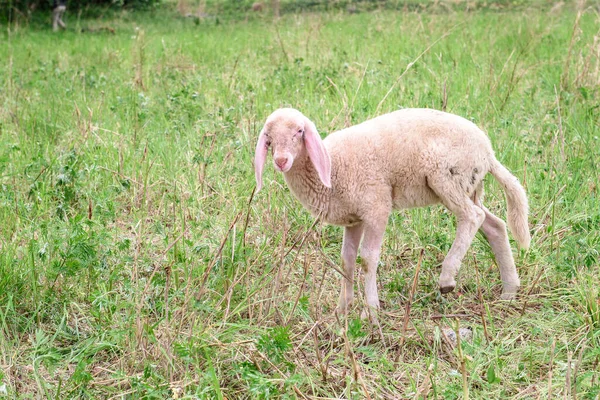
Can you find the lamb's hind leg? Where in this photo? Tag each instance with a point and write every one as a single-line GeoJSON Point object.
{"type": "Point", "coordinates": [469, 218]}
{"type": "Point", "coordinates": [494, 230]}
{"type": "Point", "coordinates": [352, 236]}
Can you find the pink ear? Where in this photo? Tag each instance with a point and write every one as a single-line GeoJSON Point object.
{"type": "Point", "coordinates": [317, 152]}
{"type": "Point", "coordinates": [260, 155]}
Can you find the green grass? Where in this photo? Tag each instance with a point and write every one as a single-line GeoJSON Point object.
{"type": "Point", "coordinates": [133, 263]}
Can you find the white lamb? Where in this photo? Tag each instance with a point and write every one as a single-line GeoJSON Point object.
{"type": "Point", "coordinates": [408, 158]}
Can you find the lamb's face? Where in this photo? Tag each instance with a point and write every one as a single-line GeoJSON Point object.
{"type": "Point", "coordinates": [290, 134]}
{"type": "Point", "coordinates": [284, 132]}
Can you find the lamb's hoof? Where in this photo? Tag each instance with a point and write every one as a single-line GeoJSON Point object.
{"type": "Point", "coordinates": [369, 314]}
{"type": "Point", "coordinates": [508, 296]}
{"type": "Point", "coordinates": [446, 289]}
{"type": "Point", "coordinates": [446, 284]}
{"type": "Point", "coordinates": [509, 291]}
{"type": "Point", "coordinates": [341, 311]}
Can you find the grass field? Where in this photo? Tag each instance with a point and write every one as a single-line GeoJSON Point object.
{"type": "Point", "coordinates": [135, 263]}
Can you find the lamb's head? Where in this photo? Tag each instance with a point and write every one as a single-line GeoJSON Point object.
{"type": "Point", "coordinates": [288, 132]}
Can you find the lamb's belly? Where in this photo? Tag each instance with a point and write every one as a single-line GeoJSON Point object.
{"type": "Point", "coordinates": [345, 220]}
{"type": "Point", "coordinates": [413, 196]}
{"type": "Point", "coordinates": [333, 215]}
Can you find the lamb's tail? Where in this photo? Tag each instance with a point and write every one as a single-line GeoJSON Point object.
{"type": "Point", "coordinates": [517, 207]}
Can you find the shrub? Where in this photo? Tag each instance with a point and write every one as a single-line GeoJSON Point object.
{"type": "Point", "coordinates": [9, 9]}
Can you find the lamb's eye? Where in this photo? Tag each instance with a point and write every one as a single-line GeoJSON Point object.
{"type": "Point", "coordinates": [300, 132]}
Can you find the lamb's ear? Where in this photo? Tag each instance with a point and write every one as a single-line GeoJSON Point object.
{"type": "Point", "coordinates": [317, 152]}
{"type": "Point", "coordinates": [260, 156]}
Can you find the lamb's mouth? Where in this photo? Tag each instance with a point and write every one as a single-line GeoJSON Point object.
{"type": "Point", "coordinates": [285, 168]}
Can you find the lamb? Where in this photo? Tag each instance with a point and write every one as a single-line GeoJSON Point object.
{"type": "Point", "coordinates": [408, 158]}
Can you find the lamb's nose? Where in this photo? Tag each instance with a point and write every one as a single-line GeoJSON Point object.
{"type": "Point", "coordinates": [281, 161]}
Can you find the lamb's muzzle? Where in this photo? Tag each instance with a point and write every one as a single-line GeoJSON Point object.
{"type": "Point", "coordinates": [408, 158]}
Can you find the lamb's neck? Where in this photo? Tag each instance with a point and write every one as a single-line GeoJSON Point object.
{"type": "Point", "coordinates": [304, 182]}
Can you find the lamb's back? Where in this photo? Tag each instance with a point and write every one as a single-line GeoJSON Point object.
{"type": "Point", "coordinates": [407, 141]}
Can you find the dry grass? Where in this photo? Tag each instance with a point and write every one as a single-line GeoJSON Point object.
{"type": "Point", "coordinates": [137, 262]}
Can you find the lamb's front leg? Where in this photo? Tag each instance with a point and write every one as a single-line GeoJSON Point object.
{"type": "Point", "coordinates": [352, 236]}
{"type": "Point", "coordinates": [369, 252]}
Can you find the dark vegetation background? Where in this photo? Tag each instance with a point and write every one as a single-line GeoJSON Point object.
{"type": "Point", "coordinates": [27, 9]}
